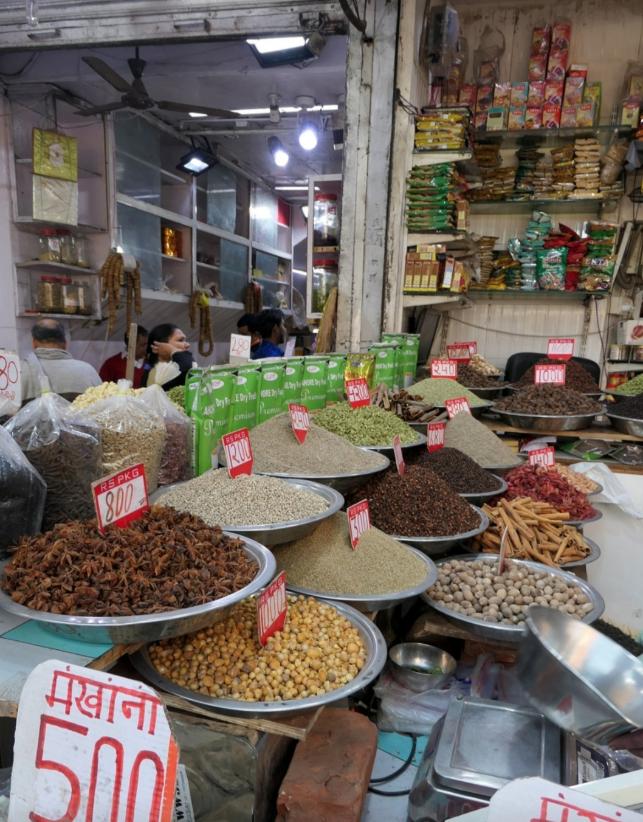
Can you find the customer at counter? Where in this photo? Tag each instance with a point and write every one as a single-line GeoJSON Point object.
{"type": "Point", "coordinates": [168, 357]}
{"type": "Point", "coordinates": [269, 326]}
{"type": "Point", "coordinates": [113, 369]}
{"type": "Point", "coordinates": [67, 376]}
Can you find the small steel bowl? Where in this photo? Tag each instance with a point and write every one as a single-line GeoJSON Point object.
{"type": "Point", "coordinates": [433, 546]}
{"type": "Point", "coordinates": [626, 425]}
{"type": "Point", "coordinates": [477, 497]}
{"type": "Point", "coordinates": [413, 665]}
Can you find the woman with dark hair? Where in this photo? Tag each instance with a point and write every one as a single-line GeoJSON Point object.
{"type": "Point", "coordinates": [168, 357]}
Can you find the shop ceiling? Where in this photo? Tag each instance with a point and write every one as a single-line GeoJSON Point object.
{"type": "Point", "coordinates": [216, 73]}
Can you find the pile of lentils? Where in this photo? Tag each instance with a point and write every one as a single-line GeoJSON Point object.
{"type": "Point", "coordinates": [462, 473]}
{"type": "Point", "coordinates": [474, 439]}
{"type": "Point", "coordinates": [632, 408]}
{"type": "Point", "coordinates": [276, 450]}
{"type": "Point", "coordinates": [417, 504]}
{"type": "Point", "coordinates": [325, 562]}
{"type": "Point", "coordinates": [436, 391]}
{"type": "Point", "coordinates": [364, 426]}
{"type": "Point", "coordinates": [472, 378]}
{"type": "Point", "coordinates": [576, 376]}
{"type": "Point", "coordinates": [317, 651]}
{"type": "Point", "coordinates": [549, 400]}
{"type": "Point", "coordinates": [477, 590]}
{"type": "Point", "coordinates": [245, 500]}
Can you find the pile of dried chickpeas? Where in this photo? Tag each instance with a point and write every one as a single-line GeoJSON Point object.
{"type": "Point", "coordinates": [317, 651]}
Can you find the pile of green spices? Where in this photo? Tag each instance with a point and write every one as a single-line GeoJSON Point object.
{"type": "Point", "coordinates": [367, 425]}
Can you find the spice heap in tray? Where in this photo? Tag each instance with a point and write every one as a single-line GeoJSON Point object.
{"type": "Point", "coordinates": [470, 436]}
{"type": "Point", "coordinates": [548, 400]}
{"type": "Point", "coordinates": [437, 391]}
{"type": "Point", "coordinates": [546, 484]}
{"type": "Point", "coordinates": [462, 473]}
{"type": "Point", "coordinates": [366, 426]}
{"type": "Point", "coordinates": [533, 530]}
{"type": "Point", "coordinates": [163, 561]}
{"type": "Point", "coordinates": [632, 408]}
{"type": "Point", "coordinates": [472, 378]}
{"type": "Point", "coordinates": [578, 481]}
{"type": "Point", "coordinates": [317, 651]}
{"type": "Point", "coordinates": [576, 377]}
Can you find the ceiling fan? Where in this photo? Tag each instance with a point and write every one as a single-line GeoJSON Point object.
{"type": "Point", "coordinates": [135, 95]}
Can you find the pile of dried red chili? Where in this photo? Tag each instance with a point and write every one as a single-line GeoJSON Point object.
{"type": "Point", "coordinates": [547, 485]}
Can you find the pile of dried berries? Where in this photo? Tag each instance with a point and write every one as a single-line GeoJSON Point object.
{"type": "Point", "coordinates": [162, 561]}
{"type": "Point", "coordinates": [472, 378]}
{"type": "Point", "coordinates": [462, 473]}
{"type": "Point", "coordinates": [547, 485]}
{"type": "Point", "coordinates": [549, 400]}
{"type": "Point", "coordinates": [576, 377]}
{"type": "Point", "coordinates": [418, 504]}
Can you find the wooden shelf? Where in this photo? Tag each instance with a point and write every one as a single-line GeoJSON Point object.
{"type": "Point", "coordinates": [433, 237]}
{"type": "Point", "coordinates": [616, 367]}
{"type": "Point", "coordinates": [41, 265]}
{"type": "Point", "coordinates": [37, 315]}
{"type": "Point", "coordinates": [596, 432]}
{"type": "Point", "coordinates": [170, 297]}
{"type": "Point", "coordinates": [420, 300]}
{"type": "Point", "coordinates": [432, 158]}
{"type": "Point", "coordinates": [325, 249]}
{"type": "Point", "coordinates": [174, 259]}
{"type": "Point", "coordinates": [36, 226]}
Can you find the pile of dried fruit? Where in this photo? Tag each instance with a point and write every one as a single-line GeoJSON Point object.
{"type": "Point", "coordinates": [548, 400]}
{"type": "Point", "coordinates": [580, 482]}
{"type": "Point", "coordinates": [546, 484]}
{"type": "Point", "coordinates": [162, 561]}
{"type": "Point", "coordinates": [472, 378]}
{"type": "Point", "coordinates": [576, 377]}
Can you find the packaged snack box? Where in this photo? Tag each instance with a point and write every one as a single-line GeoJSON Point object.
{"type": "Point", "coordinates": [497, 118]}
{"type": "Point", "coordinates": [534, 117]}
{"type": "Point", "coordinates": [557, 64]}
{"type": "Point", "coordinates": [554, 92]}
{"type": "Point", "coordinates": [561, 36]}
{"type": "Point", "coordinates": [519, 94]}
{"type": "Point", "coordinates": [630, 113]}
{"type": "Point", "coordinates": [551, 115]}
{"type": "Point", "coordinates": [517, 117]}
{"type": "Point", "coordinates": [585, 115]}
{"type": "Point", "coordinates": [568, 117]}
{"type": "Point", "coordinates": [574, 91]}
{"type": "Point", "coordinates": [536, 96]}
{"type": "Point", "coordinates": [501, 95]}
{"type": "Point", "coordinates": [537, 68]}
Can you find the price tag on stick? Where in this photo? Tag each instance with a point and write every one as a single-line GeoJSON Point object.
{"type": "Point", "coordinates": [504, 549]}
{"type": "Point", "coordinates": [460, 351]}
{"type": "Point", "coordinates": [299, 420]}
{"type": "Point", "coordinates": [444, 369]}
{"type": "Point", "coordinates": [359, 521]}
{"type": "Point", "coordinates": [238, 452]}
{"type": "Point", "coordinates": [272, 606]}
{"type": "Point", "coordinates": [121, 498]}
{"type": "Point", "coordinates": [399, 458]}
{"type": "Point", "coordinates": [435, 436]}
{"type": "Point", "coordinates": [457, 405]}
{"type": "Point", "coordinates": [90, 745]}
{"type": "Point", "coordinates": [541, 456]}
{"type": "Point", "coordinates": [550, 374]}
{"type": "Point", "coordinates": [560, 348]}
{"type": "Point", "coordinates": [357, 392]}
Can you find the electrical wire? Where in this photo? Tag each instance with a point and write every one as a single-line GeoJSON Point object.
{"type": "Point", "coordinates": [380, 780]}
{"type": "Point", "coordinates": [30, 61]}
{"type": "Point", "coordinates": [352, 13]}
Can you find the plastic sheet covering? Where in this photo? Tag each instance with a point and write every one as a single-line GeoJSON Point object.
{"type": "Point", "coordinates": [22, 494]}
{"type": "Point", "coordinates": [176, 458]}
{"type": "Point", "coordinates": [613, 490]}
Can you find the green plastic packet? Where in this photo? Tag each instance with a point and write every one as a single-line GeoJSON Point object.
{"type": "Point", "coordinates": [211, 417]}
{"type": "Point", "coordinates": [335, 378]}
{"type": "Point", "coordinates": [294, 370]}
{"type": "Point", "coordinates": [399, 340]}
{"type": "Point", "coordinates": [192, 382]}
{"type": "Point", "coordinates": [313, 383]}
{"type": "Point", "coordinates": [386, 357]}
{"type": "Point", "coordinates": [409, 356]}
{"type": "Point", "coordinates": [270, 401]}
{"type": "Point", "coordinates": [243, 407]}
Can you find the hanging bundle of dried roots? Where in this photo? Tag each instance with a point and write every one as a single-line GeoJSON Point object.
{"type": "Point", "coordinates": [113, 277]}
{"type": "Point", "coordinates": [200, 309]}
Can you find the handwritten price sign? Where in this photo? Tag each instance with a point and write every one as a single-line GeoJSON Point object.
{"type": "Point", "coordinates": [435, 436]}
{"type": "Point", "coordinates": [399, 458]}
{"type": "Point", "coordinates": [560, 348]}
{"type": "Point", "coordinates": [458, 405]}
{"type": "Point", "coordinates": [91, 746]}
{"type": "Point", "coordinates": [271, 609]}
{"type": "Point", "coordinates": [239, 348]}
{"type": "Point", "coordinates": [357, 392]}
{"type": "Point", "coordinates": [541, 456]}
{"type": "Point", "coordinates": [10, 382]}
{"type": "Point", "coordinates": [359, 521]}
{"type": "Point", "coordinates": [444, 369]}
{"type": "Point", "coordinates": [549, 374]}
{"type": "Point", "coordinates": [460, 351]}
{"type": "Point", "coordinates": [238, 452]}
{"type": "Point", "coordinates": [299, 420]}
{"type": "Point", "coordinates": [121, 498]}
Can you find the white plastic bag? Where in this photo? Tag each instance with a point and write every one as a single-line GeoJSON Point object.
{"type": "Point", "coordinates": [405, 711]}
{"type": "Point", "coordinates": [22, 494]}
{"type": "Point", "coordinates": [176, 458]}
{"type": "Point", "coordinates": [613, 490]}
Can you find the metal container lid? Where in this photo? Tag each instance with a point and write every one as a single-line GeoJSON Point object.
{"type": "Point", "coordinates": [486, 744]}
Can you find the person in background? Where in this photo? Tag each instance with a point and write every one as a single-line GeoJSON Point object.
{"type": "Point", "coordinates": [113, 369]}
{"type": "Point", "coordinates": [247, 325]}
{"type": "Point", "coordinates": [168, 357]}
{"type": "Point", "coordinates": [67, 376]}
{"type": "Point", "coordinates": [269, 326]}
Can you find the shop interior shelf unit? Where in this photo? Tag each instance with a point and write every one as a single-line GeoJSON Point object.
{"type": "Point", "coordinates": [545, 137]}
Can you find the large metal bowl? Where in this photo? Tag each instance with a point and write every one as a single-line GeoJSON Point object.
{"type": "Point", "coordinates": [579, 678]}
{"type": "Point", "coordinates": [501, 470]}
{"type": "Point", "coordinates": [421, 440]}
{"type": "Point", "coordinates": [513, 387]}
{"type": "Point", "coordinates": [594, 554]}
{"type": "Point", "coordinates": [475, 498]}
{"type": "Point", "coordinates": [375, 659]}
{"type": "Point", "coordinates": [433, 546]}
{"type": "Point", "coordinates": [340, 482]}
{"type": "Point", "coordinates": [626, 425]}
{"type": "Point", "coordinates": [279, 532]}
{"type": "Point", "coordinates": [379, 602]}
{"type": "Point", "coordinates": [489, 393]}
{"type": "Point", "coordinates": [127, 630]}
{"type": "Point", "coordinates": [579, 523]}
{"type": "Point", "coordinates": [547, 422]}
{"type": "Point", "coordinates": [512, 633]}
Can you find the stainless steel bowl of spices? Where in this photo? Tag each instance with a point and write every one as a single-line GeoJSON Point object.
{"type": "Point", "coordinates": [627, 425]}
{"type": "Point", "coordinates": [344, 483]}
{"type": "Point", "coordinates": [476, 498]}
{"type": "Point", "coordinates": [579, 523]}
{"type": "Point", "coordinates": [547, 422]}
{"type": "Point", "coordinates": [433, 546]}
{"type": "Point", "coordinates": [420, 667]}
{"type": "Point", "coordinates": [476, 410]}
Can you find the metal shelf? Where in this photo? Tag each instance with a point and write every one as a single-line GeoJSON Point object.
{"type": "Point", "coordinates": [36, 226]}
{"type": "Point", "coordinates": [422, 300]}
{"type": "Point", "coordinates": [169, 297]}
{"type": "Point", "coordinates": [174, 259]}
{"type": "Point", "coordinates": [42, 265]}
{"type": "Point", "coordinates": [571, 206]}
{"type": "Point", "coordinates": [209, 266]}
{"type": "Point", "coordinates": [258, 279]}
{"type": "Point", "coordinates": [433, 237]}
{"type": "Point", "coordinates": [617, 367]}
{"type": "Point", "coordinates": [517, 294]}
{"type": "Point", "coordinates": [38, 314]}
{"type": "Point", "coordinates": [548, 136]}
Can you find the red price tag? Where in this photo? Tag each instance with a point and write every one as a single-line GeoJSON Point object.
{"type": "Point", "coordinates": [121, 498]}
{"type": "Point", "coordinates": [549, 374]}
{"type": "Point", "coordinates": [457, 405]}
{"type": "Point", "coordinates": [272, 606]}
{"type": "Point", "coordinates": [357, 392]}
{"type": "Point", "coordinates": [91, 745]}
{"type": "Point", "coordinates": [459, 351]}
{"type": "Point", "coordinates": [541, 456]}
{"type": "Point", "coordinates": [238, 452]}
{"type": "Point", "coordinates": [560, 348]}
{"type": "Point", "coordinates": [299, 420]}
{"type": "Point", "coordinates": [435, 436]}
{"type": "Point", "coordinates": [399, 459]}
{"type": "Point", "coordinates": [444, 369]}
{"type": "Point", "coordinates": [359, 521]}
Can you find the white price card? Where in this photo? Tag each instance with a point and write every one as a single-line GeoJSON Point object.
{"type": "Point", "coordinates": [121, 498]}
{"type": "Point", "coordinates": [91, 746]}
{"type": "Point", "coordinates": [457, 405]}
{"type": "Point", "coordinates": [444, 369]}
{"type": "Point", "coordinates": [10, 383]}
{"type": "Point", "coordinates": [550, 374]}
{"type": "Point", "coordinates": [541, 456]}
{"type": "Point", "coordinates": [239, 348]}
{"type": "Point", "coordinates": [560, 348]}
{"type": "Point", "coordinates": [460, 351]}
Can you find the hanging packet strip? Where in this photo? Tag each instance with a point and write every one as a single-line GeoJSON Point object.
{"type": "Point", "coordinates": [335, 378]}
{"type": "Point", "coordinates": [243, 406]}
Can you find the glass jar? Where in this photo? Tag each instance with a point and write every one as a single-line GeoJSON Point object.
{"type": "Point", "coordinates": [71, 299]}
{"type": "Point", "coordinates": [325, 220]}
{"type": "Point", "coordinates": [50, 295]}
{"type": "Point", "coordinates": [325, 278]}
{"type": "Point", "coordinates": [68, 253]}
{"type": "Point", "coordinates": [84, 299]}
{"type": "Point", "coordinates": [82, 259]}
{"type": "Point", "coordinates": [49, 246]}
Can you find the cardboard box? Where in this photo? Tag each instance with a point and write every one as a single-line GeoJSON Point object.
{"type": "Point", "coordinates": [501, 95]}
{"type": "Point", "coordinates": [574, 91]}
{"type": "Point", "coordinates": [568, 117]}
{"type": "Point", "coordinates": [585, 115]}
{"type": "Point", "coordinates": [534, 117]}
{"type": "Point", "coordinates": [554, 92]}
{"type": "Point", "coordinates": [497, 119]}
{"type": "Point", "coordinates": [551, 116]}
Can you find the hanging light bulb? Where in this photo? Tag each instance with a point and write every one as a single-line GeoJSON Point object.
{"type": "Point", "coordinates": [308, 133]}
{"type": "Point", "coordinates": [279, 153]}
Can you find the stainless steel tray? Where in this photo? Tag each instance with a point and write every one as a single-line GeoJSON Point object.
{"type": "Point", "coordinates": [421, 440]}
{"type": "Point", "coordinates": [546, 422]}
{"type": "Point", "coordinates": [489, 393]}
{"type": "Point", "coordinates": [378, 602]}
{"type": "Point", "coordinates": [438, 545]}
{"type": "Point", "coordinates": [128, 630]}
{"type": "Point", "coordinates": [375, 660]}
{"type": "Point", "coordinates": [340, 482]}
{"type": "Point", "coordinates": [594, 554]}
{"type": "Point", "coordinates": [594, 394]}
{"type": "Point", "coordinates": [626, 425]}
{"type": "Point", "coordinates": [280, 532]}
{"type": "Point", "coordinates": [578, 523]}
{"type": "Point", "coordinates": [475, 498]}
{"type": "Point", "coordinates": [512, 633]}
